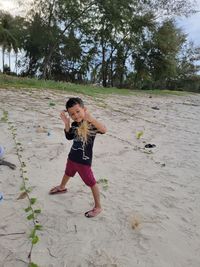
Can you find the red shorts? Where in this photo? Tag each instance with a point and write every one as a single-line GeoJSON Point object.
{"type": "Point", "coordinates": [84, 171]}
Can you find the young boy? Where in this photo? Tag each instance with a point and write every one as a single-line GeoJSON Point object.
{"type": "Point", "coordinates": [80, 155]}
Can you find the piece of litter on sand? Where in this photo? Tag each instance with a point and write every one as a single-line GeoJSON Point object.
{"type": "Point", "coordinates": [136, 222]}
{"type": "Point", "coordinates": [156, 108]}
{"type": "Point", "coordinates": [22, 195]}
{"type": "Point", "coordinates": [41, 129]}
{"type": "Point", "coordinates": [1, 151]}
{"type": "Point", "coordinates": [1, 196]}
{"type": "Point", "coordinates": [150, 145]}
{"type": "Point", "coordinates": [6, 163]}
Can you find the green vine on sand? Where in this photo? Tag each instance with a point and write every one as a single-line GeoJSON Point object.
{"type": "Point", "coordinates": [30, 210]}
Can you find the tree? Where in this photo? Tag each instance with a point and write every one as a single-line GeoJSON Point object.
{"type": "Point", "coordinates": [7, 38]}
{"type": "Point", "coordinates": [157, 58]}
{"type": "Point", "coordinates": [188, 56]}
{"type": "Point", "coordinates": [65, 39]}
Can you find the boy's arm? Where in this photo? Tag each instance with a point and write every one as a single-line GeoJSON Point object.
{"type": "Point", "coordinates": [69, 131]}
{"type": "Point", "coordinates": [97, 124]}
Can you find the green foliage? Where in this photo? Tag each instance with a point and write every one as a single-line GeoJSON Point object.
{"type": "Point", "coordinates": [35, 239]}
{"type": "Point", "coordinates": [104, 183]}
{"type": "Point", "coordinates": [38, 227]}
{"type": "Point", "coordinates": [8, 40]}
{"type": "Point", "coordinates": [32, 264]}
{"type": "Point", "coordinates": [15, 82]}
{"type": "Point", "coordinates": [28, 209]}
{"type": "Point", "coordinates": [22, 188]}
{"type": "Point", "coordinates": [113, 43]}
{"type": "Point", "coordinates": [4, 118]}
{"type": "Point", "coordinates": [37, 211]}
{"type": "Point", "coordinates": [139, 134]}
{"type": "Point", "coordinates": [32, 216]}
{"type": "Point", "coordinates": [33, 200]}
{"type": "Point", "coordinates": [52, 104]}
{"type": "Point", "coordinates": [32, 235]}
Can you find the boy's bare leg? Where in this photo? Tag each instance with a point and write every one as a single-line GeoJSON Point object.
{"type": "Point", "coordinates": [61, 187]}
{"type": "Point", "coordinates": [96, 196]}
{"type": "Point", "coordinates": [64, 181]}
{"type": "Point", "coordinates": [97, 205]}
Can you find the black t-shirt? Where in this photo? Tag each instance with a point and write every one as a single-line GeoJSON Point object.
{"type": "Point", "coordinates": [81, 152]}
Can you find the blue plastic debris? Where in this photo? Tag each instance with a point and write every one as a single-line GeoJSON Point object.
{"type": "Point", "coordinates": [1, 196]}
{"type": "Point", "coordinates": [1, 151]}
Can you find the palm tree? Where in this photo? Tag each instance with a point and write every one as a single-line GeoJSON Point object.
{"type": "Point", "coordinates": [7, 39]}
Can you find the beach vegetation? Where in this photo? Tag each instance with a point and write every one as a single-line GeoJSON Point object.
{"type": "Point", "coordinates": [32, 212]}
{"type": "Point", "coordinates": [109, 44]}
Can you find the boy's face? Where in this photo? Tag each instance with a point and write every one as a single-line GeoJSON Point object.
{"type": "Point", "coordinates": [77, 113]}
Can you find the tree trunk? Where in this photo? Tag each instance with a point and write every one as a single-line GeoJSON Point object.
{"type": "Point", "coordinates": [103, 68]}
{"type": "Point", "coordinates": [16, 63]}
{"type": "Point", "coordinates": [123, 69]}
{"type": "Point", "coordinates": [3, 52]}
{"type": "Point", "coordinates": [9, 59]}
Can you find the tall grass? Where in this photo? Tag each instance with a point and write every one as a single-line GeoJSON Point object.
{"type": "Point", "coordinates": [7, 81]}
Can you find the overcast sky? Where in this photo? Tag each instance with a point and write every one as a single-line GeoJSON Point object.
{"type": "Point", "coordinates": [191, 25]}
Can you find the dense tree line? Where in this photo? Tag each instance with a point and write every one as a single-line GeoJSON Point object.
{"type": "Point", "coordinates": [129, 43]}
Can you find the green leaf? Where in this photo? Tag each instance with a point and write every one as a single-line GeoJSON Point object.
{"type": "Point", "coordinates": [104, 181]}
{"type": "Point", "coordinates": [22, 188]}
{"type": "Point", "coordinates": [37, 211]}
{"type": "Point", "coordinates": [52, 104]}
{"type": "Point", "coordinates": [33, 200]}
{"type": "Point", "coordinates": [38, 227]}
{"type": "Point", "coordinates": [27, 209]}
{"type": "Point", "coordinates": [105, 187]}
{"type": "Point", "coordinates": [29, 189]}
{"type": "Point", "coordinates": [32, 264]}
{"type": "Point", "coordinates": [30, 216]}
{"type": "Point", "coordinates": [35, 239]}
{"type": "Point", "coordinates": [139, 134]}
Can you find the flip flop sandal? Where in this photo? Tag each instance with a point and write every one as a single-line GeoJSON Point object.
{"type": "Point", "coordinates": [57, 190]}
{"type": "Point", "coordinates": [92, 213]}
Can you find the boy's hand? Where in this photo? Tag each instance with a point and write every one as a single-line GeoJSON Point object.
{"type": "Point", "coordinates": [100, 127]}
{"type": "Point", "coordinates": [65, 119]}
{"type": "Point", "coordinates": [88, 117]}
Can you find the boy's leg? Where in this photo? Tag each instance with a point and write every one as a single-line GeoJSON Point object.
{"type": "Point", "coordinates": [69, 172]}
{"type": "Point", "coordinates": [64, 181]}
{"type": "Point", "coordinates": [60, 188]}
{"type": "Point", "coordinates": [96, 196]}
{"type": "Point", "coordinates": [97, 205]}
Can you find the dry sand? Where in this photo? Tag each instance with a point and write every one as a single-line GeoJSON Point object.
{"type": "Point", "coordinates": [151, 215]}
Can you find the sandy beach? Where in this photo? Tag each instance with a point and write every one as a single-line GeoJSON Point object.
{"type": "Point", "coordinates": [150, 196]}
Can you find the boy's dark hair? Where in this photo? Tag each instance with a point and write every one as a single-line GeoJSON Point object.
{"type": "Point", "coordinates": [73, 101]}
